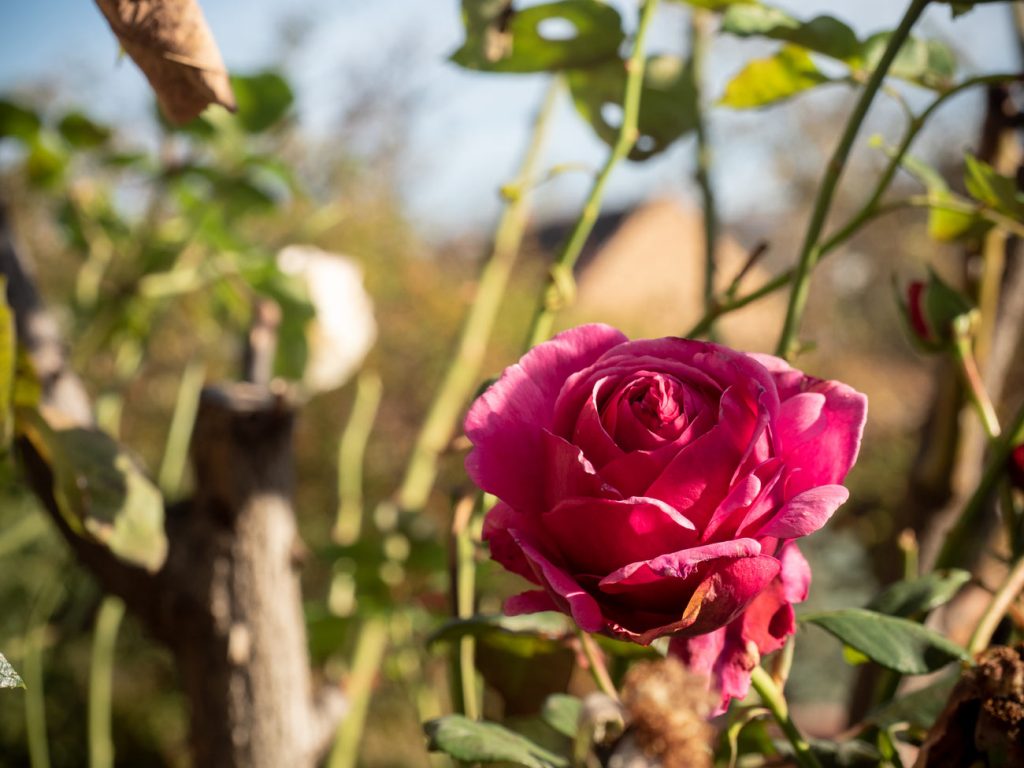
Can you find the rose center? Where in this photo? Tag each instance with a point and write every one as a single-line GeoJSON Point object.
{"type": "Point", "coordinates": [654, 402]}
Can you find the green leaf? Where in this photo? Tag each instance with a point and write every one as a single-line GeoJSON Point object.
{"type": "Point", "coordinates": [263, 100]}
{"type": "Point", "coordinates": [988, 186]}
{"type": "Point", "coordinates": [667, 102]}
{"type": "Point", "coordinates": [18, 122]}
{"type": "Point", "coordinates": [473, 741]}
{"type": "Point", "coordinates": [81, 132]}
{"type": "Point", "coordinates": [46, 159]}
{"type": "Point", "coordinates": [943, 224]}
{"type": "Point", "coordinates": [717, 5]}
{"type": "Point", "coordinates": [544, 625]}
{"type": "Point", "coordinates": [928, 63]}
{"type": "Point", "coordinates": [544, 38]}
{"type": "Point", "coordinates": [822, 34]}
{"type": "Point", "coordinates": [771, 80]}
{"type": "Point", "coordinates": [102, 493]}
{"type": "Point", "coordinates": [8, 677]}
{"type": "Point", "coordinates": [562, 712]}
{"type": "Point", "coordinates": [897, 644]}
{"type": "Point", "coordinates": [8, 356]}
{"type": "Point", "coordinates": [920, 709]}
{"type": "Point", "coordinates": [915, 597]}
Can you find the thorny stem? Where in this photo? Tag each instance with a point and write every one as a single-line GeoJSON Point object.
{"type": "Point", "coordinates": [559, 288]}
{"type": "Point", "coordinates": [464, 371]}
{"type": "Point", "coordinates": [775, 702]}
{"type": "Point", "coordinates": [810, 251]}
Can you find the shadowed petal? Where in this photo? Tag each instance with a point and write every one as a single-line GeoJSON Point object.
{"type": "Point", "coordinates": [565, 591]}
{"type": "Point", "coordinates": [533, 601]}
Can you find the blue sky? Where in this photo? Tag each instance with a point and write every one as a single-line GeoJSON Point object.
{"type": "Point", "coordinates": [468, 130]}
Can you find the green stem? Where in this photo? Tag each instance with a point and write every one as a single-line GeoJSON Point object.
{"type": "Point", "coordinates": [963, 531]}
{"type": "Point", "coordinates": [559, 287]}
{"type": "Point", "coordinates": [598, 669]}
{"type": "Point", "coordinates": [351, 452]}
{"type": "Point", "coordinates": [101, 671]}
{"type": "Point", "coordinates": [775, 702]}
{"type": "Point", "coordinates": [463, 666]}
{"type": "Point", "coordinates": [700, 21]}
{"type": "Point", "coordinates": [997, 607]}
{"type": "Point", "coordinates": [369, 653]}
{"type": "Point", "coordinates": [810, 251]}
{"type": "Point", "coordinates": [32, 674]}
{"type": "Point", "coordinates": [172, 467]}
{"type": "Point", "coordinates": [976, 392]}
{"type": "Point", "coordinates": [463, 373]}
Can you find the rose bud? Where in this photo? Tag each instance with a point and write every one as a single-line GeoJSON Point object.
{"type": "Point", "coordinates": [1016, 467]}
{"type": "Point", "coordinates": [653, 488]}
{"type": "Point", "coordinates": [934, 313]}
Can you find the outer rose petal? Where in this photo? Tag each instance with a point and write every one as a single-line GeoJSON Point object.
{"type": "Point", "coordinates": [532, 601]}
{"type": "Point", "coordinates": [505, 422]}
{"type": "Point", "coordinates": [497, 532]}
{"type": "Point", "coordinates": [819, 425]}
{"type": "Point", "coordinates": [721, 657]}
{"type": "Point", "coordinates": [805, 513]}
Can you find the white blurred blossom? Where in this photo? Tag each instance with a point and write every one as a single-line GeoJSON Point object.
{"type": "Point", "coordinates": [344, 329]}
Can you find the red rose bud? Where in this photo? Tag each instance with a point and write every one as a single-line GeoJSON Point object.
{"type": "Point", "coordinates": [933, 311]}
{"type": "Point", "coordinates": [1016, 467]}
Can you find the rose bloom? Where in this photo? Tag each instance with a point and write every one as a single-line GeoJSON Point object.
{"type": "Point", "coordinates": [655, 488]}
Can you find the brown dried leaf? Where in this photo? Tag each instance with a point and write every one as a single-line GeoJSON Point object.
{"type": "Point", "coordinates": [173, 46]}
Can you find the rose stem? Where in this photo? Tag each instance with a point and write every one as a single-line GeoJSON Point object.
{"type": "Point", "coordinates": [351, 450]}
{"type": "Point", "coordinates": [598, 669]}
{"type": "Point", "coordinates": [810, 251]}
{"type": "Point", "coordinates": [775, 702]}
{"type": "Point", "coordinates": [870, 210]}
{"type": "Point", "coordinates": [463, 372]}
{"type": "Point", "coordinates": [700, 33]}
{"type": "Point", "coordinates": [463, 584]}
{"type": "Point", "coordinates": [961, 533]}
{"type": "Point", "coordinates": [559, 287]}
{"type": "Point", "coordinates": [997, 608]}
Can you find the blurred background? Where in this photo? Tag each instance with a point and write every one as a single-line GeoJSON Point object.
{"type": "Point", "coordinates": [362, 139]}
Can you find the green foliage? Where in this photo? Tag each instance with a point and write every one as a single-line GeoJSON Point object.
{"type": "Point", "coordinates": [82, 133]}
{"type": "Point", "coordinates": [500, 38]}
{"type": "Point", "coordinates": [263, 100]}
{"type": "Point", "coordinates": [773, 79]}
{"type": "Point", "coordinates": [917, 597]}
{"type": "Point", "coordinates": [822, 34]}
{"type": "Point", "coordinates": [668, 108]}
{"type": "Point", "coordinates": [8, 352]}
{"type": "Point", "coordinates": [928, 63]}
{"type": "Point", "coordinates": [18, 121]}
{"type": "Point", "coordinates": [894, 643]}
{"type": "Point", "coordinates": [562, 712]}
{"type": "Point", "coordinates": [919, 709]}
{"type": "Point", "coordinates": [545, 627]}
{"type": "Point", "coordinates": [8, 677]}
{"type": "Point", "coordinates": [102, 492]}
{"type": "Point", "coordinates": [474, 741]}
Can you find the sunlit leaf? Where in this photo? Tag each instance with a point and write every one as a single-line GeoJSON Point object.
{"type": "Point", "coordinates": [263, 100]}
{"type": "Point", "coordinates": [944, 223]}
{"type": "Point", "coordinates": [18, 122]}
{"type": "Point", "coordinates": [46, 159]}
{"type": "Point", "coordinates": [897, 644]}
{"type": "Point", "coordinates": [929, 63]}
{"type": "Point", "coordinates": [81, 132]}
{"type": "Point", "coordinates": [822, 34]}
{"type": "Point", "coordinates": [768, 81]}
{"type": "Point", "coordinates": [919, 596]}
{"type": "Point", "coordinates": [474, 741]}
{"type": "Point", "coordinates": [547, 37]}
{"type": "Point", "coordinates": [102, 493]}
{"type": "Point", "coordinates": [667, 102]}
{"type": "Point", "coordinates": [8, 677]}
{"type": "Point", "coordinates": [988, 186]}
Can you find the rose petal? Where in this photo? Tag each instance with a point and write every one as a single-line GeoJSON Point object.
{"type": "Point", "coordinates": [498, 524]}
{"type": "Point", "coordinates": [728, 514]}
{"type": "Point", "coordinates": [565, 591]}
{"type": "Point", "coordinates": [795, 573]}
{"type": "Point", "coordinates": [805, 513]}
{"type": "Point", "coordinates": [505, 421]}
{"type": "Point", "coordinates": [532, 601]}
{"type": "Point", "coordinates": [599, 535]}
{"type": "Point", "coordinates": [568, 473]}
{"type": "Point", "coordinates": [723, 657]}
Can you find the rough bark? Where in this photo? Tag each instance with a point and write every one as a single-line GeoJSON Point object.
{"type": "Point", "coordinates": [227, 602]}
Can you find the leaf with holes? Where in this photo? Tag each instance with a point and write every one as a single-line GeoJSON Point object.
{"type": "Point", "coordinates": [822, 34]}
{"type": "Point", "coordinates": [544, 38]}
{"type": "Point", "coordinates": [763, 82]}
{"type": "Point", "coordinates": [480, 742]}
{"type": "Point", "coordinates": [101, 491]}
{"type": "Point", "coordinates": [897, 644]}
{"type": "Point", "coordinates": [916, 597]}
{"type": "Point", "coordinates": [667, 102]}
{"type": "Point", "coordinates": [8, 677]}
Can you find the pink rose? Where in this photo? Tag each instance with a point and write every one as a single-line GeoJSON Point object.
{"type": "Point", "coordinates": [652, 487]}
